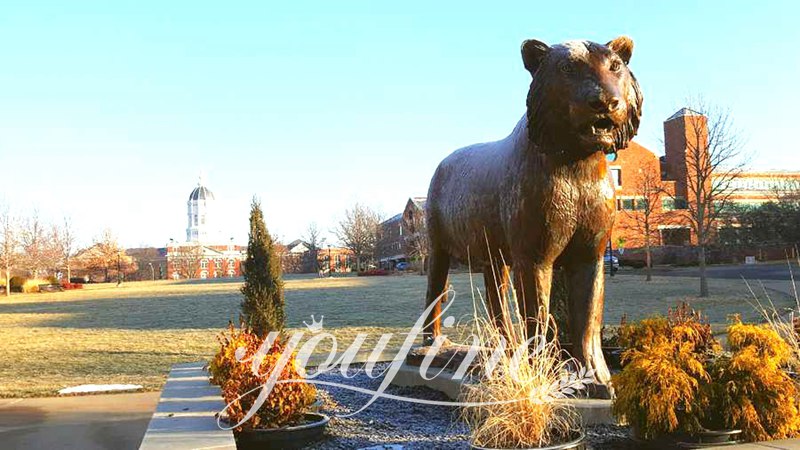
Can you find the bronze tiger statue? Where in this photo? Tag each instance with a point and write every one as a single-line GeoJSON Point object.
{"type": "Point", "coordinates": [542, 196]}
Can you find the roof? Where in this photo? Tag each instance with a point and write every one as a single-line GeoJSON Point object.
{"type": "Point", "coordinates": [201, 193]}
{"type": "Point", "coordinates": [295, 243]}
{"type": "Point", "coordinates": [684, 112]}
{"type": "Point", "coordinates": [394, 218]}
{"type": "Point", "coordinates": [419, 202]}
{"type": "Point", "coordinates": [297, 246]}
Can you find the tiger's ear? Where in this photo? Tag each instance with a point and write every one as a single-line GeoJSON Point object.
{"type": "Point", "coordinates": [623, 46]}
{"type": "Point", "coordinates": [533, 52]}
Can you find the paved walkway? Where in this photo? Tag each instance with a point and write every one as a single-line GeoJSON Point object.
{"type": "Point", "coordinates": [787, 444]}
{"type": "Point", "coordinates": [118, 421]}
{"type": "Point", "coordinates": [114, 421]}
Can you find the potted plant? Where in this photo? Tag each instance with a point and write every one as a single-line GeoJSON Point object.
{"type": "Point", "coordinates": [661, 389]}
{"type": "Point", "coordinates": [679, 388]}
{"type": "Point", "coordinates": [751, 390]}
{"type": "Point", "coordinates": [285, 419]}
{"type": "Point", "coordinates": [519, 404]}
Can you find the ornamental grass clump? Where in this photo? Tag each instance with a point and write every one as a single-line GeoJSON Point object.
{"type": "Point", "coordinates": [517, 403]}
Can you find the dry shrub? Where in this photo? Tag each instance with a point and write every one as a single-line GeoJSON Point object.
{"type": "Point", "coordinates": [520, 398]}
{"type": "Point", "coordinates": [286, 403]}
{"type": "Point", "coordinates": [785, 323]}
{"type": "Point", "coordinates": [751, 388]}
{"type": "Point", "coordinates": [682, 323]}
{"type": "Point", "coordinates": [658, 390]}
{"type": "Point", "coordinates": [32, 285]}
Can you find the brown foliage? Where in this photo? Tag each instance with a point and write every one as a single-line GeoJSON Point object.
{"type": "Point", "coordinates": [751, 388]}
{"type": "Point", "coordinates": [286, 403]}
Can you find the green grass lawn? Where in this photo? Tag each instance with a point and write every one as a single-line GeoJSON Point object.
{"type": "Point", "coordinates": [134, 333]}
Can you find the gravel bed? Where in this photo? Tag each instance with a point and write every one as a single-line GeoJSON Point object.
{"type": "Point", "coordinates": [411, 425]}
{"type": "Point", "coordinates": [386, 421]}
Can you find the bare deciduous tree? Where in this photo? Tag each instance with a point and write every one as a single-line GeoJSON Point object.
{"type": "Point", "coordinates": [714, 159]}
{"type": "Point", "coordinates": [67, 245]}
{"type": "Point", "coordinates": [645, 216]}
{"type": "Point", "coordinates": [34, 240]}
{"type": "Point", "coordinates": [314, 242]}
{"type": "Point", "coordinates": [105, 255]}
{"type": "Point", "coordinates": [787, 191]}
{"type": "Point", "coordinates": [359, 231]}
{"type": "Point", "coordinates": [9, 246]}
{"type": "Point", "coordinates": [186, 259]}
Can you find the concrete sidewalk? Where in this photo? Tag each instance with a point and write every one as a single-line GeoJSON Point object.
{"type": "Point", "coordinates": [786, 444]}
{"type": "Point", "coordinates": [113, 421]}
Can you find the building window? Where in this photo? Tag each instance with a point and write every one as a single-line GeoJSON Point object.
{"type": "Point", "coordinates": [204, 264]}
{"type": "Point", "coordinates": [231, 263]}
{"type": "Point", "coordinates": [204, 274]}
{"type": "Point", "coordinates": [626, 204]}
{"type": "Point", "coordinates": [195, 220]}
{"type": "Point", "coordinates": [671, 204]}
{"type": "Point", "coordinates": [632, 204]}
{"type": "Point", "coordinates": [616, 175]}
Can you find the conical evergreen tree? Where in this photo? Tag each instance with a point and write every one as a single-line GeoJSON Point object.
{"type": "Point", "coordinates": [262, 306]}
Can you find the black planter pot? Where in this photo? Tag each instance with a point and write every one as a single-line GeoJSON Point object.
{"type": "Point", "coordinates": [579, 443]}
{"type": "Point", "coordinates": [613, 356]}
{"type": "Point", "coordinates": [284, 438]}
{"type": "Point", "coordinates": [713, 438]}
{"type": "Point", "coordinates": [703, 439]}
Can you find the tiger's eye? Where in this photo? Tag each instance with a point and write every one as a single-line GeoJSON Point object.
{"type": "Point", "coordinates": [615, 66]}
{"type": "Point", "coordinates": [566, 68]}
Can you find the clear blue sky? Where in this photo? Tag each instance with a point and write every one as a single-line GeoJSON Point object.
{"type": "Point", "coordinates": [110, 110]}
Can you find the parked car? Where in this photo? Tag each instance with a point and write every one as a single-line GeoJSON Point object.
{"type": "Point", "coordinates": [613, 265]}
{"type": "Point", "coordinates": [402, 266]}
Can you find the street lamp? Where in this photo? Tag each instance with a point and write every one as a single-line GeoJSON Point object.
{"type": "Point", "coordinates": [152, 271]}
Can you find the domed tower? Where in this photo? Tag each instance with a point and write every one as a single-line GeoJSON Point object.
{"type": "Point", "coordinates": [200, 204]}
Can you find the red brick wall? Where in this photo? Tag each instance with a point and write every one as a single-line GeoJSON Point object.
{"type": "Point", "coordinates": [212, 269]}
{"type": "Point", "coordinates": [633, 162]}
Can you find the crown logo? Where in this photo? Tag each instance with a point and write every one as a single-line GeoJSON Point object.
{"type": "Point", "coordinates": [314, 326]}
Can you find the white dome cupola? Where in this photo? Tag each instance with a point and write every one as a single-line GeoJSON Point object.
{"type": "Point", "coordinates": [199, 209]}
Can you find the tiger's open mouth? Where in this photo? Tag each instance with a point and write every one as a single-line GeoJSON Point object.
{"type": "Point", "coordinates": [599, 134]}
{"type": "Point", "coordinates": [602, 126]}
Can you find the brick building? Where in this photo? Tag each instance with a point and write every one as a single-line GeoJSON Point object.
{"type": "Point", "coordinates": [203, 255]}
{"type": "Point", "coordinates": [392, 246]}
{"type": "Point", "coordinates": [672, 228]}
{"type": "Point", "coordinates": [297, 257]}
